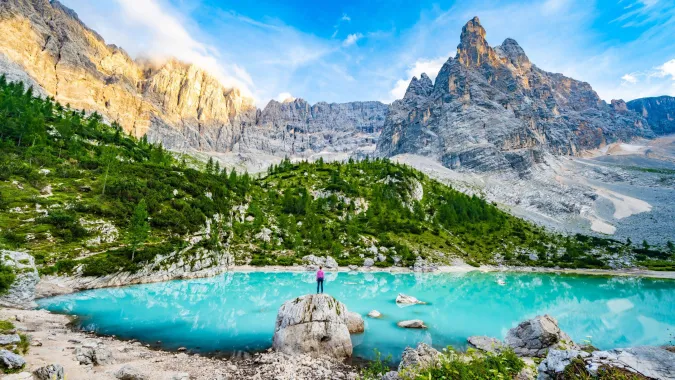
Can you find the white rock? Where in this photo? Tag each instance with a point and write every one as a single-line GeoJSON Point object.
{"type": "Point", "coordinates": [412, 324]}
{"type": "Point", "coordinates": [375, 314]}
{"type": "Point", "coordinates": [403, 299]}
{"type": "Point", "coordinates": [314, 324]}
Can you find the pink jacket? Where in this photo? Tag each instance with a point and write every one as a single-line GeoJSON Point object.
{"type": "Point", "coordinates": [319, 275]}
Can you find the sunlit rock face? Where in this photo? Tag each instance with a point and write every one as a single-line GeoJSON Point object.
{"type": "Point", "coordinates": [177, 104]}
{"type": "Point", "coordinates": [491, 109]}
{"type": "Point", "coordinates": [75, 65]}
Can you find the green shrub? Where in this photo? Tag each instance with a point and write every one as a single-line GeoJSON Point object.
{"type": "Point", "coordinates": [7, 277]}
{"type": "Point", "coordinates": [456, 366]}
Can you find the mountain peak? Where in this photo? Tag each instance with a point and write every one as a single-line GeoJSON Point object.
{"type": "Point", "coordinates": [473, 49]}
{"type": "Point", "coordinates": [510, 50]}
{"type": "Point", "coordinates": [419, 87]}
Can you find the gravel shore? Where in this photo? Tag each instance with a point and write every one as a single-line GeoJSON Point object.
{"type": "Point", "coordinates": [54, 342]}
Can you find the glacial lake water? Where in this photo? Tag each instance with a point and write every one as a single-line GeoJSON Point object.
{"type": "Point", "coordinates": [236, 311]}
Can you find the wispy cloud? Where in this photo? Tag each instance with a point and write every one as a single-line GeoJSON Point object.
{"type": "Point", "coordinates": [431, 67]}
{"type": "Point", "coordinates": [351, 39]}
{"type": "Point", "coordinates": [629, 78]}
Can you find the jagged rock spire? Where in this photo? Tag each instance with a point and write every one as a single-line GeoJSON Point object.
{"type": "Point", "coordinates": [473, 49]}
{"type": "Point", "coordinates": [514, 53]}
{"type": "Point", "coordinates": [419, 87]}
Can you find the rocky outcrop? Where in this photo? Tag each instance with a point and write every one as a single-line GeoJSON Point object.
{"type": "Point", "coordinates": [21, 294]}
{"type": "Point", "coordinates": [491, 109]}
{"type": "Point", "coordinates": [486, 343]}
{"type": "Point", "coordinates": [314, 324]}
{"type": "Point", "coordinates": [535, 337]}
{"type": "Point", "coordinates": [659, 112]}
{"type": "Point", "coordinates": [651, 362]}
{"type": "Point", "coordinates": [421, 356]}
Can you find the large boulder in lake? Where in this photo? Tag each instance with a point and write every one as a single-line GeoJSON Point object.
{"type": "Point", "coordinates": [314, 324]}
{"type": "Point", "coordinates": [355, 323]}
{"type": "Point", "coordinates": [535, 337]}
{"type": "Point", "coordinates": [21, 293]}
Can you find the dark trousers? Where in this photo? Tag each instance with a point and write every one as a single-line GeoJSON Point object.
{"type": "Point", "coordinates": [319, 284]}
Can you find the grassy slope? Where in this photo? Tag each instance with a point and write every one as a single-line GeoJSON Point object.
{"type": "Point", "coordinates": [98, 176]}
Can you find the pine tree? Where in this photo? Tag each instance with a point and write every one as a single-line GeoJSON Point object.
{"type": "Point", "coordinates": [140, 228]}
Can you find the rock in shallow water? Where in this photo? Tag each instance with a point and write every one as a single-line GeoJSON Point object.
{"type": "Point", "coordinates": [355, 323]}
{"type": "Point", "coordinates": [314, 324]}
{"type": "Point", "coordinates": [412, 324]}
{"type": "Point", "coordinates": [375, 314]}
{"type": "Point", "coordinates": [403, 299]}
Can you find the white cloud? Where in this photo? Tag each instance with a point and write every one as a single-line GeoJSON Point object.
{"type": "Point", "coordinates": [667, 69]}
{"type": "Point", "coordinates": [345, 17]}
{"type": "Point", "coordinates": [629, 78]}
{"type": "Point", "coordinates": [351, 39]}
{"type": "Point", "coordinates": [431, 67]}
{"type": "Point", "coordinates": [285, 96]}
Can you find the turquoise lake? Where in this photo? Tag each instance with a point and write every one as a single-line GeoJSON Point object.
{"type": "Point", "coordinates": [236, 311]}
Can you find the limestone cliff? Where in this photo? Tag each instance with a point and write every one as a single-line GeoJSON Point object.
{"type": "Point", "coordinates": [75, 65]}
{"type": "Point", "coordinates": [298, 128]}
{"type": "Point", "coordinates": [491, 109]}
{"type": "Point", "coordinates": [177, 104]}
{"type": "Point", "coordinates": [659, 112]}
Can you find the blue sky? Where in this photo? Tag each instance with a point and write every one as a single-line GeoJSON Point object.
{"type": "Point", "coordinates": [369, 50]}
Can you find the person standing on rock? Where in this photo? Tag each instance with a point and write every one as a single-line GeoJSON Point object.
{"type": "Point", "coordinates": [319, 280]}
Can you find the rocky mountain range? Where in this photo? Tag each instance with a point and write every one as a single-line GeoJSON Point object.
{"type": "Point", "coordinates": [490, 109]}
{"type": "Point", "coordinates": [178, 104]}
{"type": "Point", "coordinates": [491, 117]}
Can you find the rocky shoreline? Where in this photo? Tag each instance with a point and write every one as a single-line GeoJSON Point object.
{"type": "Point", "coordinates": [83, 355]}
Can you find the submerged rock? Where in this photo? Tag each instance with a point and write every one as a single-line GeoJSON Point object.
{"type": "Point", "coordinates": [535, 337]}
{"type": "Point", "coordinates": [422, 356]}
{"type": "Point", "coordinates": [403, 299]}
{"type": "Point", "coordinates": [314, 324]}
{"type": "Point", "coordinates": [486, 343]}
{"type": "Point", "coordinates": [355, 323]}
{"type": "Point", "coordinates": [49, 372]}
{"type": "Point", "coordinates": [412, 324]}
